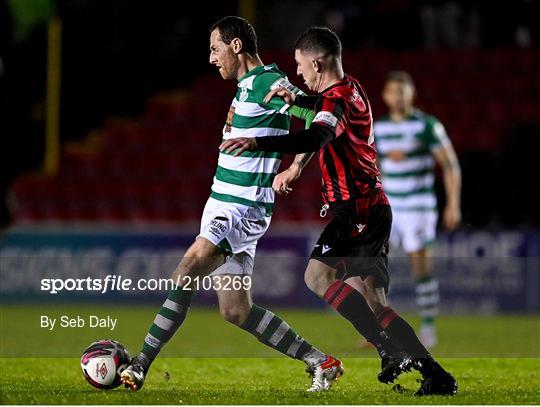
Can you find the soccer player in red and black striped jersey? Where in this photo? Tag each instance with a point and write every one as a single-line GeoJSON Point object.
{"type": "Point", "coordinates": [348, 266]}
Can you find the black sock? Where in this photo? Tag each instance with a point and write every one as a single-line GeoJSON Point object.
{"type": "Point", "coordinates": [401, 332]}
{"type": "Point", "coordinates": [353, 306]}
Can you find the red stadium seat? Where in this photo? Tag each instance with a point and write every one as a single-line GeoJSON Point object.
{"type": "Point", "coordinates": [161, 167]}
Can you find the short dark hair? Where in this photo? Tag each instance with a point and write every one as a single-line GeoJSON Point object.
{"type": "Point", "coordinates": [232, 27]}
{"type": "Point", "coordinates": [399, 76]}
{"type": "Point", "coordinates": [319, 39]}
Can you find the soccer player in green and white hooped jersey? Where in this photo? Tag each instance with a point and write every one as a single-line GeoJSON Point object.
{"type": "Point", "coordinates": [409, 143]}
{"type": "Point", "coordinates": [237, 215]}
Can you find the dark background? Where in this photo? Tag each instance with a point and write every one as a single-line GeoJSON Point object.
{"type": "Point", "coordinates": [120, 57]}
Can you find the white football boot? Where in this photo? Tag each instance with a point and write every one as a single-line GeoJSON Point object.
{"type": "Point", "coordinates": [325, 374]}
{"type": "Point", "coordinates": [133, 376]}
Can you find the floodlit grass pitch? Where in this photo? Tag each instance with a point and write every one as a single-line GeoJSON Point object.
{"type": "Point", "coordinates": [265, 381]}
{"type": "Point", "coordinates": [495, 359]}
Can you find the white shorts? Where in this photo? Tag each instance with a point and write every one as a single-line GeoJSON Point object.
{"type": "Point", "coordinates": [235, 228]}
{"type": "Point", "coordinates": [413, 230]}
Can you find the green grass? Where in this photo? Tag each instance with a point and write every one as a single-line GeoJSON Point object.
{"type": "Point", "coordinates": [265, 381]}
{"type": "Point", "coordinates": [495, 359]}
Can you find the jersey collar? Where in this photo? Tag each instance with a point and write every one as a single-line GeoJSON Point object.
{"type": "Point", "coordinates": [338, 83]}
{"type": "Point", "coordinates": [257, 70]}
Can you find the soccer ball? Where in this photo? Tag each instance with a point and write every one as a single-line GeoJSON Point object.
{"type": "Point", "coordinates": [103, 361]}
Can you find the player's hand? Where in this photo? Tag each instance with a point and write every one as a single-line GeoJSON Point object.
{"type": "Point", "coordinates": [451, 217]}
{"type": "Point", "coordinates": [283, 180]}
{"type": "Point", "coordinates": [283, 93]}
{"type": "Point", "coordinates": [239, 144]}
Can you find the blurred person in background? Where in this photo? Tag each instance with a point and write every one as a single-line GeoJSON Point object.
{"type": "Point", "coordinates": [409, 143]}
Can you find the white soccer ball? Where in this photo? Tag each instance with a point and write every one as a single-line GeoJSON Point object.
{"type": "Point", "coordinates": [103, 361]}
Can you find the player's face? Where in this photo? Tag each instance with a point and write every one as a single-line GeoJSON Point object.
{"type": "Point", "coordinates": [305, 68]}
{"type": "Point", "coordinates": [398, 95]}
{"type": "Point", "coordinates": [223, 56]}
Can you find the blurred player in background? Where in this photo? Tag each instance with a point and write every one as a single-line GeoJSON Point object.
{"type": "Point", "coordinates": [348, 265]}
{"type": "Point", "coordinates": [238, 214]}
{"type": "Point", "coordinates": [409, 142]}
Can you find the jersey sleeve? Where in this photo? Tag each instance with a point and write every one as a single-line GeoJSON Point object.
{"type": "Point", "coordinates": [268, 81]}
{"type": "Point", "coordinates": [307, 115]}
{"type": "Point", "coordinates": [435, 135]}
{"type": "Point", "coordinates": [332, 115]}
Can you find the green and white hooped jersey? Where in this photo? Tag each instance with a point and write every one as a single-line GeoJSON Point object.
{"type": "Point", "coordinates": [409, 183]}
{"type": "Point", "coordinates": [247, 179]}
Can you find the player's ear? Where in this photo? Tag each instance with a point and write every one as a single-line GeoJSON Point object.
{"type": "Point", "coordinates": [316, 65]}
{"type": "Point", "coordinates": [236, 44]}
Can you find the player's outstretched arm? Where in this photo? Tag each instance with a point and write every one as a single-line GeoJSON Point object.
{"type": "Point", "coordinates": [284, 93]}
{"type": "Point", "coordinates": [238, 145]}
{"type": "Point", "coordinates": [305, 141]}
{"type": "Point", "coordinates": [291, 98]}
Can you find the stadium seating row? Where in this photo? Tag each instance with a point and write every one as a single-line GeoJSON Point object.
{"type": "Point", "coordinates": [160, 167]}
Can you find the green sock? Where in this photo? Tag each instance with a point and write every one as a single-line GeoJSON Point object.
{"type": "Point", "coordinates": [167, 321]}
{"type": "Point", "coordinates": [277, 334]}
{"type": "Point", "coordinates": [427, 298]}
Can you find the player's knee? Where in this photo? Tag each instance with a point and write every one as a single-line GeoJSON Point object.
{"type": "Point", "coordinates": [181, 275]}
{"type": "Point", "coordinates": [235, 314]}
{"type": "Point", "coordinates": [186, 269]}
{"type": "Point", "coordinates": [357, 284]}
{"type": "Point", "coordinates": [200, 259]}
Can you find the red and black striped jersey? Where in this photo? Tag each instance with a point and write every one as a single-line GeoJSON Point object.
{"type": "Point", "coordinates": [348, 162]}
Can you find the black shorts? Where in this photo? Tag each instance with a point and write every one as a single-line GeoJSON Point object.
{"type": "Point", "coordinates": [355, 242]}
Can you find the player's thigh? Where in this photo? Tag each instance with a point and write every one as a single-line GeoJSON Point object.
{"type": "Point", "coordinates": [327, 255]}
{"type": "Point", "coordinates": [368, 253]}
{"type": "Point", "coordinates": [201, 259]}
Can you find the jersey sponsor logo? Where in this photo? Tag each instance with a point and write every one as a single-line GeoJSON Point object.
{"type": "Point", "coordinates": [150, 340]}
{"type": "Point", "coordinates": [327, 118]}
{"type": "Point", "coordinates": [217, 227]}
{"type": "Point", "coordinates": [355, 96]}
{"type": "Point", "coordinates": [228, 121]}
